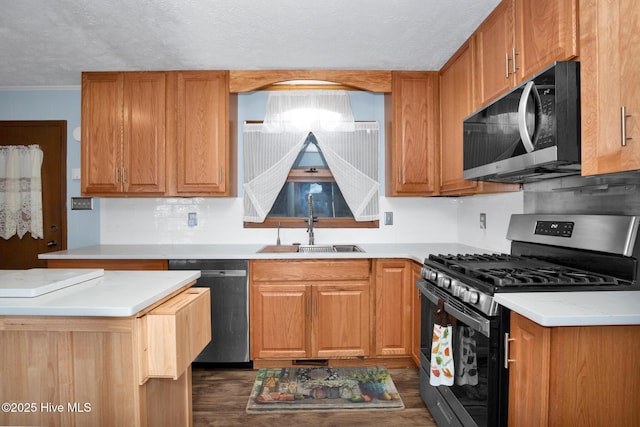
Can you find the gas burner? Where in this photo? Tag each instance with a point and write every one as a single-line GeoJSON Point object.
{"type": "Point", "coordinates": [551, 276]}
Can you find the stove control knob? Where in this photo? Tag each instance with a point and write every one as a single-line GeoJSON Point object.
{"type": "Point", "coordinates": [432, 275]}
{"type": "Point", "coordinates": [471, 297]}
{"type": "Point", "coordinates": [446, 282]}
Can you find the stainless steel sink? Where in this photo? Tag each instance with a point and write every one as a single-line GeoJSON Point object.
{"type": "Point", "coordinates": [312, 248]}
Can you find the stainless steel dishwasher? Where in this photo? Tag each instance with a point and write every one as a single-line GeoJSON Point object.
{"type": "Point", "coordinates": [229, 287]}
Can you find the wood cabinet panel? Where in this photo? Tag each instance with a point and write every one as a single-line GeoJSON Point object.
{"type": "Point", "coordinates": [203, 149]}
{"type": "Point", "coordinates": [110, 264]}
{"type": "Point", "coordinates": [579, 375]}
{"type": "Point", "coordinates": [280, 320]}
{"type": "Point", "coordinates": [519, 39]}
{"type": "Point", "coordinates": [393, 307]}
{"type": "Point", "coordinates": [177, 331]}
{"type": "Point", "coordinates": [310, 269]}
{"type": "Point", "coordinates": [144, 143]}
{"type": "Point", "coordinates": [340, 320]}
{"type": "Point", "coordinates": [416, 313]}
{"type": "Point", "coordinates": [309, 309]}
{"type": "Point", "coordinates": [609, 81]}
{"type": "Point", "coordinates": [102, 122]}
{"type": "Point", "coordinates": [92, 367]}
{"type": "Point", "coordinates": [545, 31]}
{"type": "Point", "coordinates": [495, 47]}
{"type": "Point", "coordinates": [123, 133]}
{"type": "Point", "coordinates": [412, 132]}
{"type": "Point", "coordinates": [529, 374]}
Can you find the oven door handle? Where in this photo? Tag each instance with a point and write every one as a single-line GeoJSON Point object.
{"type": "Point", "coordinates": [479, 324]}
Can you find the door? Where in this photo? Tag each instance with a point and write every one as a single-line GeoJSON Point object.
{"type": "Point", "coordinates": [280, 320]}
{"type": "Point", "coordinates": [340, 320]}
{"type": "Point", "coordinates": [51, 136]}
{"type": "Point", "coordinates": [393, 307]}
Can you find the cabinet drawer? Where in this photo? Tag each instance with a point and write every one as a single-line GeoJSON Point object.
{"type": "Point", "coordinates": [308, 270]}
{"type": "Point", "coordinates": [177, 331]}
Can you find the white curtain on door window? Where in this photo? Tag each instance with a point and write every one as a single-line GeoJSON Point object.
{"type": "Point", "coordinates": [21, 191]}
{"type": "Point", "coordinates": [350, 148]}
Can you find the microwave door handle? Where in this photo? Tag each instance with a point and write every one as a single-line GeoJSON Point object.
{"type": "Point", "coordinates": [522, 117]}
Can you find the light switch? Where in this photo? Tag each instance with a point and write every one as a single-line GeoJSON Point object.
{"type": "Point", "coordinates": [388, 218]}
{"type": "Point", "coordinates": [81, 203]}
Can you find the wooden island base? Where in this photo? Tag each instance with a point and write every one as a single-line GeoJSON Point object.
{"type": "Point", "coordinates": [98, 371]}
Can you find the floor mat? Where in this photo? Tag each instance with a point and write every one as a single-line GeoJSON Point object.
{"type": "Point", "coordinates": [323, 389]}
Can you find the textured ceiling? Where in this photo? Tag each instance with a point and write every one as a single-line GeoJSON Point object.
{"type": "Point", "coordinates": [50, 42]}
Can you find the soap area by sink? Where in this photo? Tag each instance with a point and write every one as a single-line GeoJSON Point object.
{"type": "Point", "coordinates": [337, 248]}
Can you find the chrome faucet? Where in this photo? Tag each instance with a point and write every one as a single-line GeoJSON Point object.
{"type": "Point", "coordinates": [311, 219]}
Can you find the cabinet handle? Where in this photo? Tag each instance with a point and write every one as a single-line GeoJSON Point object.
{"type": "Point", "coordinates": [306, 308]}
{"type": "Point", "coordinates": [623, 125]}
{"type": "Point", "coordinates": [315, 307]}
{"type": "Point", "coordinates": [399, 175]}
{"type": "Point", "coordinates": [513, 55]}
{"type": "Point", "coordinates": [507, 340]}
{"type": "Point", "coordinates": [506, 66]}
{"type": "Point", "coordinates": [221, 173]}
{"type": "Point", "coordinates": [117, 175]}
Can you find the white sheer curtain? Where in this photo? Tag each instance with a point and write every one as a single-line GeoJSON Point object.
{"type": "Point", "coordinates": [350, 148]}
{"type": "Point", "coordinates": [352, 158]}
{"type": "Point", "coordinates": [268, 158]}
{"type": "Point", "coordinates": [21, 191]}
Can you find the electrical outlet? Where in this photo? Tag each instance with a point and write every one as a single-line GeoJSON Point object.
{"type": "Point", "coordinates": [483, 221]}
{"type": "Point", "coordinates": [388, 218]}
{"type": "Point", "coordinates": [81, 203]}
{"type": "Point", "coordinates": [192, 220]}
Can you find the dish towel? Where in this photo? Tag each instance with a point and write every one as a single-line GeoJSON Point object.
{"type": "Point", "coordinates": [442, 370]}
{"type": "Point", "coordinates": [466, 363]}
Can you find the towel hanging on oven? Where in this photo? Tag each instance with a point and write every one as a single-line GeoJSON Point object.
{"type": "Point", "coordinates": [442, 370]}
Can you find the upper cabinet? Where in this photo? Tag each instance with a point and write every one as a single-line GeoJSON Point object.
{"type": "Point", "coordinates": [157, 134]}
{"type": "Point", "coordinates": [203, 123]}
{"type": "Point", "coordinates": [411, 111]}
{"type": "Point", "coordinates": [456, 103]}
{"type": "Point", "coordinates": [123, 133]}
{"type": "Point", "coordinates": [610, 86]}
{"type": "Point", "coordinates": [520, 38]}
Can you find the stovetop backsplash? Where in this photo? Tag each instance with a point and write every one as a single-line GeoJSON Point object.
{"type": "Point", "coordinates": [604, 194]}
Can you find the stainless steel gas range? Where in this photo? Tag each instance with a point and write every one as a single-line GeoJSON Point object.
{"type": "Point", "coordinates": [548, 253]}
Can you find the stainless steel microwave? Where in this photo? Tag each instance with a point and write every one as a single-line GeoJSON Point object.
{"type": "Point", "coordinates": [530, 133]}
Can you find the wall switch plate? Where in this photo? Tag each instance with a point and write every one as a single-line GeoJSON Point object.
{"type": "Point", "coordinates": [192, 219]}
{"type": "Point", "coordinates": [483, 221]}
{"type": "Point", "coordinates": [81, 203]}
{"type": "Point", "coordinates": [75, 173]}
{"type": "Point", "coordinates": [388, 218]}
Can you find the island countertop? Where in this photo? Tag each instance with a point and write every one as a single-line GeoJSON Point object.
{"type": "Point", "coordinates": [116, 294]}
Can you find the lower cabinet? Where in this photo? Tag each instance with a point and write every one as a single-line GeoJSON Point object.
{"type": "Point", "coordinates": [393, 307]}
{"type": "Point", "coordinates": [104, 371]}
{"type": "Point", "coordinates": [309, 309]}
{"type": "Point", "coordinates": [578, 375]}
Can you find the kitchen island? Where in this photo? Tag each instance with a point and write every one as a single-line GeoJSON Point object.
{"type": "Point", "coordinates": [112, 350]}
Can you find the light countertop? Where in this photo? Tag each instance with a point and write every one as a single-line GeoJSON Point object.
{"type": "Point", "coordinates": [116, 294]}
{"type": "Point", "coordinates": [415, 251]}
{"type": "Point", "coordinates": [575, 308]}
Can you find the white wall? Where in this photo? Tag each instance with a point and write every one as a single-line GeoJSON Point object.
{"type": "Point", "coordinates": [164, 220]}
{"type": "Point", "coordinates": [498, 209]}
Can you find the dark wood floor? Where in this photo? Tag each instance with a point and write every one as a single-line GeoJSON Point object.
{"type": "Point", "coordinates": [220, 398]}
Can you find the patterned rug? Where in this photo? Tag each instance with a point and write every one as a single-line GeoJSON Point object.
{"type": "Point", "coordinates": [323, 389]}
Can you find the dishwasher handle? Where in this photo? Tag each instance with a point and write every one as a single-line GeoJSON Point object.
{"type": "Point", "coordinates": [223, 273]}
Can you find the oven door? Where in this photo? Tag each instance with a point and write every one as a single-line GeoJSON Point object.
{"type": "Point", "coordinates": [479, 395]}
